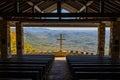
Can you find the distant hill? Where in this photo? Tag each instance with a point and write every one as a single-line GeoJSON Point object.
{"type": "Point", "coordinates": [44, 39]}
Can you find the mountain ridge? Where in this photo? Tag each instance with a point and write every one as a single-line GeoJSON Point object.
{"type": "Point", "coordinates": [79, 40]}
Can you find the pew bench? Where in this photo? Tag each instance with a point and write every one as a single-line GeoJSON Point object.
{"type": "Point", "coordinates": [41, 64]}
{"type": "Point", "coordinates": [40, 69]}
{"type": "Point", "coordinates": [34, 75]}
{"type": "Point", "coordinates": [93, 67]}
{"type": "Point", "coordinates": [96, 75]}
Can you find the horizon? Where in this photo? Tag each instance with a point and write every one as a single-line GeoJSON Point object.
{"type": "Point", "coordinates": [74, 28]}
{"type": "Point", "coordinates": [68, 28]}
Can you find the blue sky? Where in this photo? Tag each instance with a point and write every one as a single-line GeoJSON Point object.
{"type": "Point", "coordinates": [63, 11]}
{"type": "Point", "coordinates": [69, 28]}
{"type": "Point", "coordinates": [75, 28]}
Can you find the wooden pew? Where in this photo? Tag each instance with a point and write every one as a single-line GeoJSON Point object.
{"type": "Point", "coordinates": [45, 71]}
{"type": "Point", "coordinates": [92, 67]}
{"type": "Point", "coordinates": [97, 75]}
{"type": "Point", "coordinates": [39, 69]}
{"type": "Point", "coordinates": [28, 65]}
{"type": "Point", "coordinates": [25, 64]}
{"type": "Point", "coordinates": [95, 69]}
{"type": "Point", "coordinates": [34, 75]}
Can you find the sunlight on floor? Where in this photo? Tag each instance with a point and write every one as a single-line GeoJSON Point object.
{"type": "Point", "coordinates": [60, 58]}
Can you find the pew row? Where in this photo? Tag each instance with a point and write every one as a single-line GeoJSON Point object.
{"type": "Point", "coordinates": [34, 67]}
{"type": "Point", "coordinates": [93, 67]}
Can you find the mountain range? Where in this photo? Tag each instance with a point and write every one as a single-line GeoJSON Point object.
{"type": "Point", "coordinates": [44, 39]}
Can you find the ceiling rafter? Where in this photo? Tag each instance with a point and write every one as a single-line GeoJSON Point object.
{"type": "Point", "coordinates": [110, 6]}
{"type": "Point", "coordinates": [69, 8]}
{"type": "Point", "coordinates": [30, 8]}
{"type": "Point", "coordinates": [50, 8]}
{"type": "Point", "coordinates": [89, 8]}
{"type": "Point", "coordinates": [9, 9]}
{"type": "Point", "coordinates": [24, 6]}
{"type": "Point", "coordinates": [63, 6]}
{"type": "Point", "coordinates": [107, 5]}
{"type": "Point", "coordinates": [37, 7]}
{"type": "Point", "coordinates": [97, 6]}
{"type": "Point", "coordinates": [49, 3]}
{"type": "Point", "coordinates": [6, 5]}
{"type": "Point", "coordinates": [114, 5]}
{"type": "Point", "coordinates": [73, 4]}
{"type": "Point", "coordinates": [118, 2]}
{"type": "Point", "coordinates": [2, 3]}
{"type": "Point", "coordinates": [86, 5]}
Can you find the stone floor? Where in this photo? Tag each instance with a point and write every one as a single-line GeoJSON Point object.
{"type": "Point", "coordinates": [59, 70]}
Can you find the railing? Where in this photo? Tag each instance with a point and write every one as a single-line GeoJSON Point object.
{"type": "Point", "coordinates": [63, 53]}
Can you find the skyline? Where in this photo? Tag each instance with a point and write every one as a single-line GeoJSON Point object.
{"type": "Point", "coordinates": [73, 28]}
{"type": "Point", "coordinates": [67, 28]}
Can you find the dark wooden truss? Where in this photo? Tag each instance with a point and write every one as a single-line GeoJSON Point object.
{"type": "Point", "coordinates": [37, 10]}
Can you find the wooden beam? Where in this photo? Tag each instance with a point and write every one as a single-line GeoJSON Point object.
{"type": "Point", "coordinates": [84, 7]}
{"type": "Point", "coordinates": [114, 7]}
{"type": "Point", "coordinates": [59, 24]}
{"type": "Point", "coordinates": [50, 23]}
{"type": "Point", "coordinates": [114, 4]}
{"type": "Point", "coordinates": [62, 20]}
{"type": "Point", "coordinates": [59, 7]}
{"type": "Point", "coordinates": [38, 0]}
{"type": "Point", "coordinates": [1, 18]}
{"type": "Point", "coordinates": [6, 5]}
{"type": "Point", "coordinates": [118, 19]}
{"type": "Point", "coordinates": [35, 6]}
{"type": "Point", "coordinates": [33, 9]}
{"type": "Point", "coordinates": [22, 0]}
{"type": "Point", "coordinates": [101, 6]}
{"type": "Point", "coordinates": [17, 6]}
{"type": "Point", "coordinates": [60, 15]}
{"type": "Point", "coordinates": [92, 8]}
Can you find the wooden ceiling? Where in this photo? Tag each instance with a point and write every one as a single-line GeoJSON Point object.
{"type": "Point", "coordinates": [41, 10]}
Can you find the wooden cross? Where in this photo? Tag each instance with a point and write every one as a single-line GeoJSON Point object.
{"type": "Point", "coordinates": [61, 42]}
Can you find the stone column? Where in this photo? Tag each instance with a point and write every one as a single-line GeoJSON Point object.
{"type": "Point", "coordinates": [101, 39]}
{"type": "Point", "coordinates": [5, 39]}
{"type": "Point", "coordinates": [19, 39]}
{"type": "Point", "coordinates": [115, 40]}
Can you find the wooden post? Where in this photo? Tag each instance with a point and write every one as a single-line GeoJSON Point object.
{"type": "Point", "coordinates": [5, 39]}
{"type": "Point", "coordinates": [19, 39]}
{"type": "Point", "coordinates": [59, 8]}
{"type": "Point", "coordinates": [0, 36]}
{"type": "Point", "coordinates": [101, 39]}
{"type": "Point", "coordinates": [115, 40]}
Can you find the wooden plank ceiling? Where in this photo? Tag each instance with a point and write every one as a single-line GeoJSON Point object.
{"type": "Point", "coordinates": [41, 10]}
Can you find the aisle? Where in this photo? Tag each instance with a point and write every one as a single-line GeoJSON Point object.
{"type": "Point", "coordinates": [59, 70]}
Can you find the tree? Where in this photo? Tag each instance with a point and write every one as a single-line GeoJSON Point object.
{"type": "Point", "coordinates": [27, 46]}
